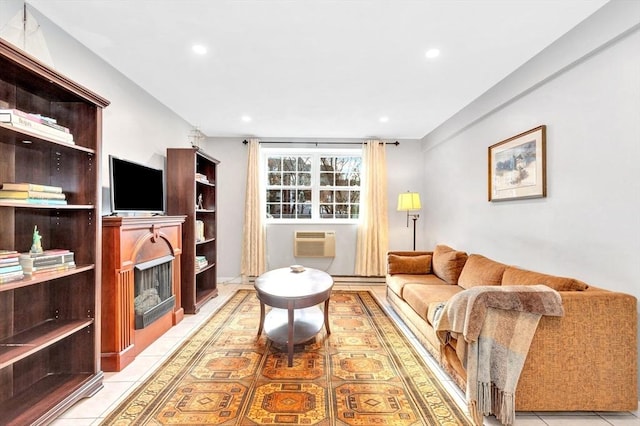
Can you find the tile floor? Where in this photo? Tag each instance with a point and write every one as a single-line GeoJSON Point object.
{"type": "Point", "coordinates": [117, 386]}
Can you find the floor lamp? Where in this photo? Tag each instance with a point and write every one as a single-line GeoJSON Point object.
{"type": "Point", "coordinates": [410, 201]}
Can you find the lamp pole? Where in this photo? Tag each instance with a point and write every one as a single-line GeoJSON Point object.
{"type": "Point", "coordinates": [414, 217]}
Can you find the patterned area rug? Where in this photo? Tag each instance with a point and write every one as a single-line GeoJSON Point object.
{"type": "Point", "coordinates": [364, 373]}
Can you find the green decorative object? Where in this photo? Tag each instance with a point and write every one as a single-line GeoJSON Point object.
{"type": "Point", "coordinates": [36, 246]}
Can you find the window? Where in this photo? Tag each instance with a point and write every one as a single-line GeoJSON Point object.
{"type": "Point", "coordinates": [312, 184]}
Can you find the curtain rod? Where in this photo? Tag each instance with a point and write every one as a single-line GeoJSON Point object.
{"type": "Point", "coordinates": [396, 143]}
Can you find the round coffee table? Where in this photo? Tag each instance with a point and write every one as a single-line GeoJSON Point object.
{"type": "Point", "coordinates": [295, 316]}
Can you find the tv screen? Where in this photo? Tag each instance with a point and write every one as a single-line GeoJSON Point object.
{"type": "Point", "coordinates": [135, 188]}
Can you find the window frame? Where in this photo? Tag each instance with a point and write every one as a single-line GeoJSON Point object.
{"type": "Point", "coordinates": [315, 187]}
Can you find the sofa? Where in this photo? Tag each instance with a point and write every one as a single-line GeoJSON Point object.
{"type": "Point", "coordinates": [585, 360]}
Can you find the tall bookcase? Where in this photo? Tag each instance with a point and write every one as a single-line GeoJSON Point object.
{"type": "Point", "coordinates": [191, 173]}
{"type": "Point", "coordinates": [49, 324]}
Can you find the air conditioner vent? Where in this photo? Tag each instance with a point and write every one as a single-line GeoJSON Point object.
{"type": "Point", "coordinates": [314, 244]}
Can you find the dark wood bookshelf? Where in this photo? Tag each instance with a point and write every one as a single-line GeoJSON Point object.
{"type": "Point", "coordinates": [49, 327]}
{"type": "Point", "coordinates": [198, 285]}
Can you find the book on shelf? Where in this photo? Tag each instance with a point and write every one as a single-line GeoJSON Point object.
{"type": "Point", "coordinates": [5, 254]}
{"type": "Point", "coordinates": [8, 261]}
{"type": "Point", "coordinates": [39, 201]}
{"type": "Point", "coordinates": [11, 268]}
{"type": "Point", "coordinates": [11, 276]}
{"type": "Point", "coordinates": [202, 178]}
{"type": "Point", "coordinates": [201, 262]}
{"type": "Point", "coordinates": [46, 258]}
{"type": "Point", "coordinates": [25, 186]}
{"type": "Point", "coordinates": [8, 193]}
{"type": "Point", "coordinates": [35, 270]}
{"type": "Point", "coordinates": [35, 123]}
{"type": "Point", "coordinates": [199, 231]}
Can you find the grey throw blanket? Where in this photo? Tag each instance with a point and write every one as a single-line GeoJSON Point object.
{"type": "Point", "coordinates": [494, 326]}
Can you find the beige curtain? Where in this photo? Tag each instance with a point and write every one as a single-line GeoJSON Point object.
{"type": "Point", "coordinates": [253, 233]}
{"type": "Point", "coordinates": [373, 232]}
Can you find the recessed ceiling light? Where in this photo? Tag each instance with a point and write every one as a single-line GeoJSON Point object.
{"type": "Point", "coordinates": [246, 118]}
{"type": "Point", "coordinates": [384, 119]}
{"type": "Point", "coordinates": [200, 49]}
{"type": "Point", "coordinates": [432, 53]}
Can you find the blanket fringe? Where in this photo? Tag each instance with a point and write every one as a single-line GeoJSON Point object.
{"type": "Point", "coordinates": [492, 400]}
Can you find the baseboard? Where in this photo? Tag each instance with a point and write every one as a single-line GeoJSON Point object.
{"type": "Point", "coordinates": [338, 279]}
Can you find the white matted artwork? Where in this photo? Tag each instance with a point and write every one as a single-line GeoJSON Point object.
{"type": "Point", "coordinates": [517, 166]}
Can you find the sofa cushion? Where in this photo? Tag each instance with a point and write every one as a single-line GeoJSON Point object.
{"type": "Point", "coordinates": [397, 282]}
{"type": "Point", "coordinates": [479, 270]}
{"type": "Point", "coordinates": [420, 296]}
{"type": "Point", "coordinates": [447, 263]}
{"type": "Point", "coordinates": [409, 264]}
{"type": "Point", "coordinates": [517, 276]}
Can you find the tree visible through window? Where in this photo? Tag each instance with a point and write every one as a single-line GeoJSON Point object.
{"type": "Point", "coordinates": [313, 185]}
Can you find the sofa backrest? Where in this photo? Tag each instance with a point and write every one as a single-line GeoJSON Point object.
{"type": "Point", "coordinates": [517, 276]}
{"type": "Point", "coordinates": [480, 270]}
{"type": "Point", "coordinates": [447, 263]}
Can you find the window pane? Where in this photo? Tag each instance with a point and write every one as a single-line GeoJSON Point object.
{"type": "Point", "coordinates": [326, 179]}
{"type": "Point", "coordinates": [341, 179]}
{"type": "Point", "coordinates": [289, 179]}
{"type": "Point", "coordinates": [304, 179]}
{"type": "Point", "coordinates": [304, 196]}
{"type": "Point", "coordinates": [273, 195]}
{"type": "Point", "coordinates": [354, 197]}
{"type": "Point", "coordinates": [275, 178]}
{"type": "Point", "coordinates": [342, 196]}
{"type": "Point", "coordinates": [342, 211]}
{"type": "Point", "coordinates": [326, 163]}
{"type": "Point", "coordinates": [289, 164]}
{"type": "Point", "coordinates": [304, 164]}
{"type": "Point", "coordinates": [274, 163]}
{"type": "Point", "coordinates": [273, 210]}
{"type": "Point", "coordinates": [326, 196]}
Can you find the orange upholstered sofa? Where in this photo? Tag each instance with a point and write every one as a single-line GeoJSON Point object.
{"type": "Point", "coordinates": [586, 360]}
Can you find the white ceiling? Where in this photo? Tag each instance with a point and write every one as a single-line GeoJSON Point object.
{"type": "Point", "coordinates": [316, 68]}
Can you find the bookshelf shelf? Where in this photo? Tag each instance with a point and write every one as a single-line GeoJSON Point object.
{"type": "Point", "coordinates": [21, 345]}
{"type": "Point", "coordinates": [44, 277]}
{"type": "Point", "coordinates": [183, 191]}
{"type": "Point", "coordinates": [49, 347]}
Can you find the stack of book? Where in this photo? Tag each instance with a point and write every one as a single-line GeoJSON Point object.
{"type": "Point", "coordinates": [201, 262]}
{"type": "Point", "coordinates": [202, 178]}
{"type": "Point", "coordinates": [10, 267]}
{"type": "Point", "coordinates": [36, 123]}
{"type": "Point", "coordinates": [31, 193]}
{"type": "Point", "coordinates": [48, 261]}
{"type": "Point", "coordinates": [199, 231]}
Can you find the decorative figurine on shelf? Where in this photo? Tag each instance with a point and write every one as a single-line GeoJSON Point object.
{"type": "Point", "coordinates": [200, 205]}
{"type": "Point", "coordinates": [36, 246]}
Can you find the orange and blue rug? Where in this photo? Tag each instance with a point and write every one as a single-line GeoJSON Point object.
{"type": "Point", "coordinates": [364, 373]}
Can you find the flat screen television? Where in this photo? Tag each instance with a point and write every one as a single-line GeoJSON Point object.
{"type": "Point", "coordinates": [135, 188]}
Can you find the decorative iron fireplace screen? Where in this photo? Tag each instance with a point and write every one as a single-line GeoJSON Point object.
{"type": "Point", "coordinates": [153, 295]}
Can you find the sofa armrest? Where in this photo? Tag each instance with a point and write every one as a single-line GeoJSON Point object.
{"type": "Point", "coordinates": [587, 359]}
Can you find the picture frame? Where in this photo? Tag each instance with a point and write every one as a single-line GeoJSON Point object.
{"type": "Point", "coordinates": [517, 166]}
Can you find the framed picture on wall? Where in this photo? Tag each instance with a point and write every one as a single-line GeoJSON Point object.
{"type": "Point", "coordinates": [517, 166]}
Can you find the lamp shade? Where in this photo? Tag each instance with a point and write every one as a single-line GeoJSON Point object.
{"type": "Point", "coordinates": [408, 201]}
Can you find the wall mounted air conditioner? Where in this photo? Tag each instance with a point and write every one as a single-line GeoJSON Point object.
{"type": "Point", "coordinates": [314, 244]}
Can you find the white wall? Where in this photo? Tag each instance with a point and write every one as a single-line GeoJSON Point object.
{"type": "Point", "coordinates": [586, 90]}
{"type": "Point", "coordinates": [404, 168]}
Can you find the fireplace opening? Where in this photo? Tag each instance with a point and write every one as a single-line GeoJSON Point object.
{"type": "Point", "coordinates": [153, 294]}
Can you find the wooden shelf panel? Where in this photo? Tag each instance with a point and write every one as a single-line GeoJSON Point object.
{"type": "Point", "coordinates": [47, 206]}
{"type": "Point", "coordinates": [9, 133]}
{"type": "Point", "coordinates": [27, 408]}
{"type": "Point", "coordinates": [206, 268]}
{"type": "Point", "coordinates": [40, 278]}
{"type": "Point", "coordinates": [205, 241]}
{"type": "Point", "coordinates": [21, 345]}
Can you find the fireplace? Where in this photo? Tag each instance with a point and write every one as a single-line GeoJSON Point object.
{"type": "Point", "coordinates": [153, 295]}
{"type": "Point", "coordinates": [140, 296]}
